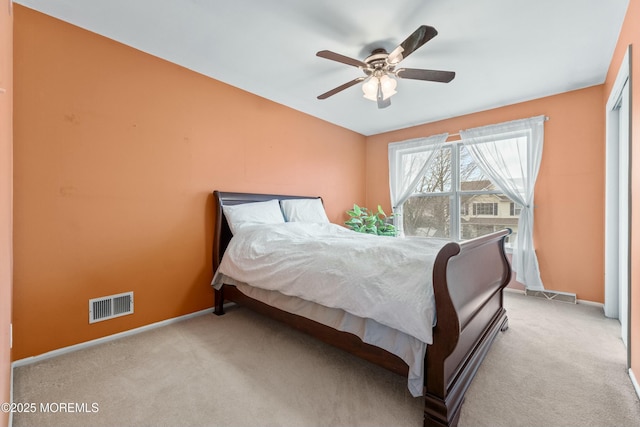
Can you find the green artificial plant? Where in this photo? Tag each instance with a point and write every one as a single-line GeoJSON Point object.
{"type": "Point", "coordinates": [364, 221]}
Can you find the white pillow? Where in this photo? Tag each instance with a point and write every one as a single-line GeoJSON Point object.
{"type": "Point", "coordinates": [239, 216]}
{"type": "Point", "coordinates": [303, 210]}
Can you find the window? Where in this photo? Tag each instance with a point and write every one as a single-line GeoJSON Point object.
{"type": "Point", "coordinates": [448, 195]}
{"type": "Point", "coordinates": [455, 200]}
{"type": "Point", "coordinates": [515, 209]}
{"type": "Point", "coordinates": [485, 209]}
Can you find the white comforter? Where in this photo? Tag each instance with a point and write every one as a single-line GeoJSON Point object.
{"type": "Point", "coordinates": [387, 279]}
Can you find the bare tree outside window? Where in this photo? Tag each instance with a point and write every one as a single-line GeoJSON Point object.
{"type": "Point", "coordinates": [426, 213]}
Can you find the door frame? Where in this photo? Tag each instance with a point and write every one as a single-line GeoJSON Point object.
{"type": "Point", "coordinates": [611, 306]}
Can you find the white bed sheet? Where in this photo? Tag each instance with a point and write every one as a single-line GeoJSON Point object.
{"type": "Point", "coordinates": [386, 279]}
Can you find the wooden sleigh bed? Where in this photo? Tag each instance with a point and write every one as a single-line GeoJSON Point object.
{"type": "Point", "coordinates": [468, 280]}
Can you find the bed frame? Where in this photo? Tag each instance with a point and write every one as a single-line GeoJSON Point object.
{"type": "Point", "coordinates": [468, 279]}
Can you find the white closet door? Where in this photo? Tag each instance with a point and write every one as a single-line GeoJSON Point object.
{"type": "Point", "coordinates": [623, 213]}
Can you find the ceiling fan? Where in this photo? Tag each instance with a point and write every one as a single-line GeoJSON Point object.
{"type": "Point", "coordinates": [380, 67]}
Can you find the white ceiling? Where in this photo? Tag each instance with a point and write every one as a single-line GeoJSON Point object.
{"type": "Point", "coordinates": [503, 51]}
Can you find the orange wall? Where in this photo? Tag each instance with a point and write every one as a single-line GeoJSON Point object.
{"type": "Point", "coordinates": [116, 154]}
{"type": "Point", "coordinates": [569, 193]}
{"type": "Point", "coordinates": [6, 61]}
{"type": "Point", "coordinates": [630, 35]}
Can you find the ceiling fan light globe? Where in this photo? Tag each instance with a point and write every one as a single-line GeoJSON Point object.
{"type": "Point", "coordinates": [370, 88]}
{"type": "Point", "coordinates": [388, 86]}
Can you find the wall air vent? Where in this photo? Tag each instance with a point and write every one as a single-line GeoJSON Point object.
{"type": "Point", "coordinates": [111, 306]}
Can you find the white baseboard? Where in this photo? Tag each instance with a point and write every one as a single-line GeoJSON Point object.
{"type": "Point", "coordinates": [636, 386]}
{"type": "Point", "coordinates": [76, 347]}
{"type": "Point", "coordinates": [595, 304]}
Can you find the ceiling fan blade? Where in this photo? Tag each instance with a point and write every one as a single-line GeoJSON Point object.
{"type": "Point", "coordinates": [429, 75]}
{"type": "Point", "coordinates": [341, 88]}
{"type": "Point", "coordinates": [423, 34]}
{"type": "Point", "coordinates": [327, 54]}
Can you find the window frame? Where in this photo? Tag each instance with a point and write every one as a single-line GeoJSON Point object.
{"type": "Point", "coordinates": [456, 194]}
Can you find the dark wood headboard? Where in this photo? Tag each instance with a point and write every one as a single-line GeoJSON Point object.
{"type": "Point", "coordinates": [222, 233]}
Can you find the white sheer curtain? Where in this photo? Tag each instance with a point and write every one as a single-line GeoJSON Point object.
{"type": "Point", "coordinates": [408, 162]}
{"type": "Point", "coordinates": [510, 154]}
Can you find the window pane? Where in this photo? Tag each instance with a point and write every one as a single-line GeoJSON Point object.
{"type": "Point", "coordinates": [438, 176]}
{"type": "Point", "coordinates": [411, 165]}
{"type": "Point", "coordinates": [515, 209]}
{"type": "Point", "coordinates": [512, 156]}
{"type": "Point", "coordinates": [427, 216]}
{"type": "Point", "coordinates": [471, 177]}
{"type": "Point", "coordinates": [485, 213]}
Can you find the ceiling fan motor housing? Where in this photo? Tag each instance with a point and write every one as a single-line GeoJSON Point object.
{"type": "Point", "coordinates": [377, 63]}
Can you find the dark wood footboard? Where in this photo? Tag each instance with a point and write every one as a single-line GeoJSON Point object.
{"type": "Point", "coordinates": [468, 280]}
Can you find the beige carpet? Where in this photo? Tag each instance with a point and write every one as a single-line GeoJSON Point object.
{"type": "Point", "coordinates": [557, 365]}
